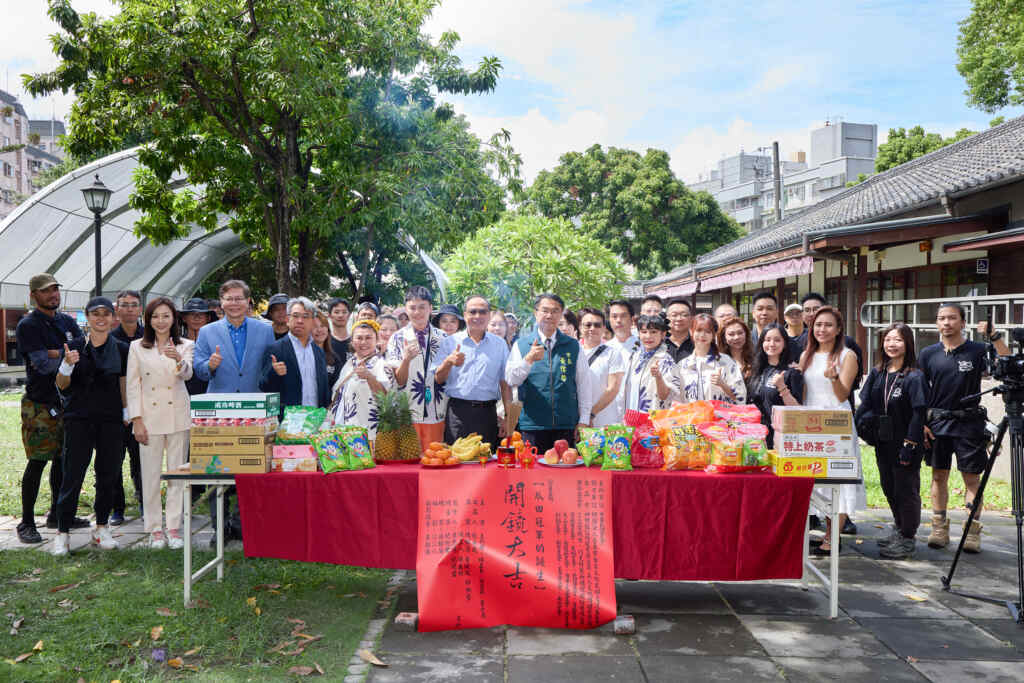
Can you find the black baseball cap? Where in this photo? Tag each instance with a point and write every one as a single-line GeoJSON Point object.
{"type": "Point", "coordinates": [99, 302]}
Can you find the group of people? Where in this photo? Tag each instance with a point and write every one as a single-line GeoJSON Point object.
{"type": "Point", "coordinates": [121, 388]}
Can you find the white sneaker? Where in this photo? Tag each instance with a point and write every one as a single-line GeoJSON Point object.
{"type": "Point", "coordinates": [61, 543]}
{"type": "Point", "coordinates": [174, 539]}
{"type": "Point", "coordinates": [101, 537]}
{"type": "Point", "coordinates": [157, 540]}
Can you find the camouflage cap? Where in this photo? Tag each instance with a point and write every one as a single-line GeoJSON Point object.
{"type": "Point", "coordinates": [41, 281]}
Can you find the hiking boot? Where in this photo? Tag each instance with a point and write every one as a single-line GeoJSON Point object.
{"type": "Point", "coordinates": [27, 533]}
{"type": "Point", "coordinates": [900, 549]}
{"type": "Point", "coordinates": [61, 545]}
{"type": "Point", "coordinates": [894, 535]}
{"type": "Point", "coordinates": [939, 537]}
{"type": "Point", "coordinates": [101, 537]}
{"type": "Point", "coordinates": [972, 544]}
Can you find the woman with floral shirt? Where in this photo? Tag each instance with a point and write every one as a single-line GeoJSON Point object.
{"type": "Point", "coordinates": [650, 381]}
{"type": "Point", "coordinates": [706, 374]}
{"type": "Point", "coordinates": [364, 375]}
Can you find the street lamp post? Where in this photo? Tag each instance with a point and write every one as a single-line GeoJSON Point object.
{"type": "Point", "coordinates": [97, 196]}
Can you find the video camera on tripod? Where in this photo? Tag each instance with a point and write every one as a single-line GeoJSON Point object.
{"type": "Point", "coordinates": [1009, 371]}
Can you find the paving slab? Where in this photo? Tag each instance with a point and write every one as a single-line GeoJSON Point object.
{"type": "Point", "coordinates": [811, 637]}
{"type": "Point", "coordinates": [480, 641]}
{"type": "Point", "coordinates": [554, 641]}
{"type": "Point", "coordinates": [969, 607]}
{"type": "Point", "coordinates": [437, 669]}
{"type": "Point", "coordinates": [808, 670]}
{"type": "Point", "coordinates": [1004, 629]}
{"type": "Point", "coordinates": [640, 597]}
{"type": "Point", "coordinates": [864, 571]}
{"type": "Point", "coordinates": [672, 669]}
{"type": "Point", "coordinates": [990, 672]}
{"type": "Point", "coordinates": [940, 639]}
{"type": "Point", "coordinates": [573, 669]}
{"type": "Point", "coordinates": [891, 600]}
{"type": "Point", "coordinates": [748, 598]}
{"type": "Point", "coordinates": [694, 634]}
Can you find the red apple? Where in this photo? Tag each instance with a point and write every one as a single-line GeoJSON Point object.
{"type": "Point", "coordinates": [551, 456]}
{"type": "Point", "coordinates": [561, 446]}
{"type": "Point", "coordinates": [569, 457]}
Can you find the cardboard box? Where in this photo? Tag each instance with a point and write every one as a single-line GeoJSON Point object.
{"type": "Point", "coordinates": [800, 420]}
{"type": "Point", "coordinates": [816, 467]}
{"type": "Point", "coordinates": [265, 429]}
{"type": "Point", "coordinates": [232, 464]}
{"type": "Point", "coordinates": [255, 444]}
{"type": "Point", "coordinates": [235, 405]}
{"type": "Point", "coordinates": [816, 445]}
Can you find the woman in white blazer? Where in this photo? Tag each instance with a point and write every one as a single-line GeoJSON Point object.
{"type": "Point", "coordinates": [158, 405]}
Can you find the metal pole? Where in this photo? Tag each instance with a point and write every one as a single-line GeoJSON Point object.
{"type": "Point", "coordinates": [778, 181]}
{"type": "Point", "coordinates": [99, 267]}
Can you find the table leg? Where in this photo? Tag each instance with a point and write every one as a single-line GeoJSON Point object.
{"type": "Point", "coordinates": [833, 593]}
{"type": "Point", "coordinates": [805, 554]}
{"type": "Point", "coordinates": [187, 550]}
{"type": "Point", "coordinates": [221, 523]}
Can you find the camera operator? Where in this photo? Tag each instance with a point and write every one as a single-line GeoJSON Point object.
{"type": "Point", "coordinates": [953, 370]}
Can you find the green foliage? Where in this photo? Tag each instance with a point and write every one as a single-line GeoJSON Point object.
{"type": "Point", "coordinates": [295, 120]}
{"type": "Point", "coordinates": [523, 255]}
{"type": "Point", "coordinates": [991, 51]}
{"type": "Point", "coordinates": [861, 177]}
{"type": "Point", "coordinates": [635, 205]}
{"type": "Point", "coordinates": [904, 145]}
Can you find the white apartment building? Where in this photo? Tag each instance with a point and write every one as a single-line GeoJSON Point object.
{"type": "Point", "coordinates": [14, 173]}
{"type": "Point", "coordinates": [743, 184]}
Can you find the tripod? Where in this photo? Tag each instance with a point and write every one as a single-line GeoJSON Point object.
{"type": "Point", "coordinates": [1013, 397]}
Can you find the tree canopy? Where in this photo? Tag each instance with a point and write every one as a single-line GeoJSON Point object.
{"type": "Point", "coordinates": [904, 145]}
{"type": "Point", "coordinates": [991, 52]}
{"type": "Point", "coordinates": [297, 121]}
{"type": "Point", "coordinates": [523, 255]}
{"type": "Point", "coordinates": [635, 204]}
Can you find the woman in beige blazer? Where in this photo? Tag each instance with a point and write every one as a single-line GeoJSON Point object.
{"type": "Point", "coordinates": [158, 405]}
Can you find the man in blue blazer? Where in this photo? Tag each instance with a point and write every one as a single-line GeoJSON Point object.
{"type": "Point", "coordinates": [230, 353]}
{"type": "Point", "coordinates": [294, 365]}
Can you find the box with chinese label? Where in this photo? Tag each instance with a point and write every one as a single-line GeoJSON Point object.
{"type": "Point", "coordinates": [800, 420]}
{"type": "Point", "coordinates": [293, 458]}
{"type": "Point", "coordinates": [251, 426]}
{"type": "Point", "coordinates": [816, 467]}
{"type": "Point", "coordinates": [238, 406]}
{"type": "Point", "coordinates": [229, 444]}
{"type": "Point", "coordinates": [816, 445]}
{"type": "Point", "coordinates": [232, 464]}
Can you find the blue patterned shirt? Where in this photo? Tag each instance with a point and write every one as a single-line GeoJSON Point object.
{"type": "Point", "coordinates": [238, 336]}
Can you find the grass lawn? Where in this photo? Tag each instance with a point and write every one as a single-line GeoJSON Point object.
{"type": "Point", "coordinates": [122, 618]}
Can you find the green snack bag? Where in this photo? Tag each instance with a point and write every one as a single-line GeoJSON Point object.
{"type": "Point", "coordinates": [357, 445]}
{"type": "Point", "coordinates": [617, 440]}
{"type": "Point", "coordinates": [591, 445]}
{"type": "Point", "coordinates": [331, 452]}
{"type": "Point", "coordinates": [755, 453]}
{"type": "Point", "coordinates": [299, 424]}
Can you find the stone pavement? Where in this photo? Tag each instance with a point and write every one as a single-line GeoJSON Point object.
{"type": "Point", "coordinates": [131, 534]}
{"type": "Point", "coordinates": [895, 624]}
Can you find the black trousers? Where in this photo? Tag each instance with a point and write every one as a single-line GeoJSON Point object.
{"type": "Point", "coordinates": [134, 470]}
{"type": "Point", "coordinates": [466, 417]}
{"type": "Point", "coordinates": [544, 439]}
{"type": "Point", "coordinates": [901, 485]}
{"type": "Point", "coordinates": [81, 438]}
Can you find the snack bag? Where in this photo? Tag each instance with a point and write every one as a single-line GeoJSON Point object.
{"type": "Point", "coordinates": [685, 448]}
{"type": "Point", "coordinates": [618, 439]}
{"type": "Point", "coordinates": [330, 451]}
{"type": "Point", "coordinates": [755, 454]}
{"type": "Point", "coordinates": [646, 448]}
{"type": "Point", "coordinates": [591, 445]}
{"type": "Point", "coordinates": [299, 424]}
{"type": "Point", "coordinates": [733, 412]}
{"type": "Point", "coordinates": [357, 446]}
{"type": "Point", "coordinates": [636, 418]}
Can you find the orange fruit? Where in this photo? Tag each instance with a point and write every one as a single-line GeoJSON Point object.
{"type": "Point", "coordinates": [452, 461]}
{"type": "Point", "coordinates": [437, 446]}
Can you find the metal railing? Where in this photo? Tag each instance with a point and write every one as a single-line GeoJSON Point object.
{"type": "Point", "coordinates": [1004, 310]}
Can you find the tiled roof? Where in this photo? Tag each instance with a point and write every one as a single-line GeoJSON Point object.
{"type": "Point", "coordinates": [36, 153]}
{"type": "Point", "coordinates": [42, 127]}
{"type": "Point", "coordinates": [992, 157]}
{"type": "Point", "coordinates": [8, 98]}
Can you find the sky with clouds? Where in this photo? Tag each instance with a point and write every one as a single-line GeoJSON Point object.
{"type": "Point", "coordinates": [699, 78]}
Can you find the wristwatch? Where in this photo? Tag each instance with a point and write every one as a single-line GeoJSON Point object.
{"type": "Point", "coordinates": [995, 336]}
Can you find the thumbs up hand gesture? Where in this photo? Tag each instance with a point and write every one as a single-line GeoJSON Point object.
{"type": "Point", "coordinates": [70, 357]}
{"type": "Point", "coordinates": [215, 359]}
{"type": "Point", "coordinates": [279, 367]}
{"type": "Point", "coordinates": [457, 357]}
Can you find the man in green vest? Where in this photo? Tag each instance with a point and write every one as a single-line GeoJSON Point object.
{"type": "Point", "coordinates": [554, 385]}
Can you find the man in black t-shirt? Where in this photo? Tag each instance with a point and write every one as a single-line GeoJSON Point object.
{"type": "Point", "coordinates": [92, 380]}
{"type": "Point", "coordinates": [338, 311]}
{"type": "Point", "coordinates": [128, 305]}
{"type": "Point", "coordinates": [41, 336]}
{"type": "Point", "coordinates": [953, 370]}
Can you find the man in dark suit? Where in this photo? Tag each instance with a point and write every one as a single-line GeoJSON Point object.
{"type": "Point", "coordinates": [295, 365]}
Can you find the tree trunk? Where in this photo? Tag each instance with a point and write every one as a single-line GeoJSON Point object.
{"type": "Point", "coordinates": [366, 262]}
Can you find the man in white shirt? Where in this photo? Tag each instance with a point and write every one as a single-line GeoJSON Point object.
{"type": "Point", "coordinates": [607, 369]}
{"type": "Point", "coordinates": [553, 378]}
{"type": "Point", "coordinates": [620, 316]}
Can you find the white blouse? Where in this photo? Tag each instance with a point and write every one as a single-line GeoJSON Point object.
{"type": "Point", "coordinates": [694, 374]}
{"type": "Point", "coordinates": [352, 401]}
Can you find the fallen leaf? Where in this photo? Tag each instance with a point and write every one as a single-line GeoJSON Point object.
{"type": "Point", "coordinates": [266, 586]}
{"type": "Point", "coordinates": [296, 621]}
{"type": "Point", "coordinates": [280, 646]}
{"type": "Point", "coordinates": [137, 642]}
{"type": "Point", "coordinates": [915, 597]}
{"type": "Point", "coordinates": [193, 651]}
{"type": "Point", "coordinates": [251, 602]}
{"type": "Point", "coordinates": [319, 669]}
{"type": "Point", "coordinates": [23, 657]}
{"type": "Point", "coordinates": [192, 667]}
{"type": "Point", "coordinates": [879, 526]}
{"type": "Point", "coordinates": [27, 579]}
{"type": "Point", "coordinates": [303, 635]}
{"type": "Point", "coordinates": [257, 611]}
{"type": "Point", "coordinates": [39, 570]}
{"type": "Point", "coordinates": [354, 595]}
{"type": "Point", "coordinates": [200, 603]}
{"type": "Point", "coordinates": [38, 647]}
{"type": "Point", "coordinates": [301, 670]}
{"type": "Point", "coordinates": [156, 632]}
{"type": "Point", "coordinates": [119, 573]}
{"type": "Point", "coordinates": [175, 663]}
{"type": "Point", "coordinates": [165, 612]}
{"type": "Point", "coordinates": [65, 587]}
{"type": "Point", "coordinates": [859, 541]}
{"type": "Point", "coordinates": [368, 656]}
{"type": "Point", "coordinates": [66, 602]}
{"type": "Point", "coordinates": [911, 659]}
{"type": "Point", "coordinates": [275, 592]}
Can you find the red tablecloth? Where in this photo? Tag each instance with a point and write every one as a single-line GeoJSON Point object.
{"type": "Point", "coordinates": [667, 525]}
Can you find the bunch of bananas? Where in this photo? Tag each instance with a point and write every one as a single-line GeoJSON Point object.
{"type": "Point", "coordinates": [470, 448]}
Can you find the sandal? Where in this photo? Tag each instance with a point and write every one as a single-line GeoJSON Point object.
{"type": "Point", "coordinates": [822, 551]}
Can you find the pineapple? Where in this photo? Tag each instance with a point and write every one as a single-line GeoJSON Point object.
{"type": "Point", "coordinates": [396, 437]}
